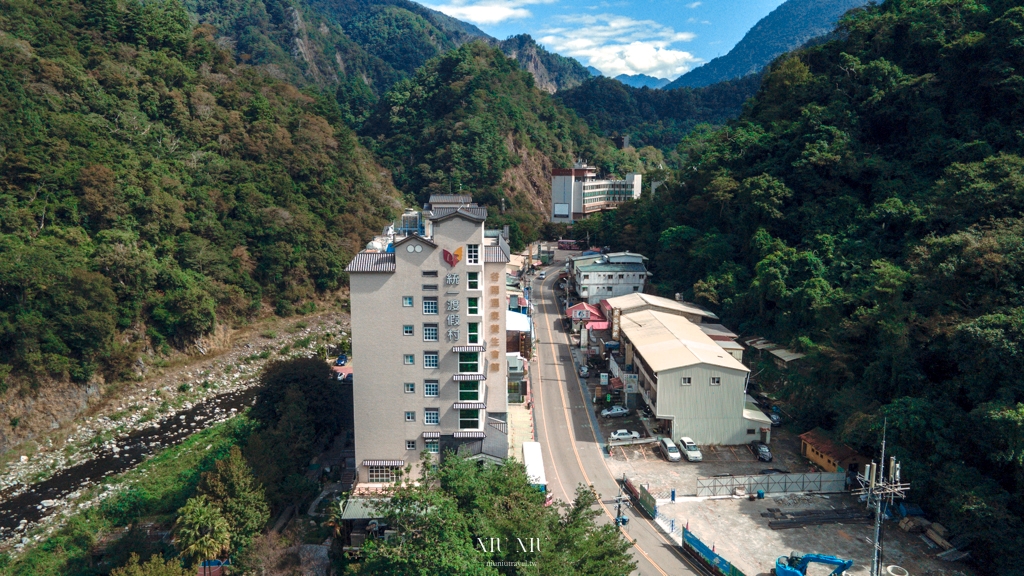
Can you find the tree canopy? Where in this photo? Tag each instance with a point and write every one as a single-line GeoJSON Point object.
{"type": "Point", "coordinates": [491, 521]}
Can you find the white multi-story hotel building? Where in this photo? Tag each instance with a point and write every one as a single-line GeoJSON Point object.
{"type": "Point", "coordinates": [576, 192]}
{"type": "Point", "coordinates": [428, 340]}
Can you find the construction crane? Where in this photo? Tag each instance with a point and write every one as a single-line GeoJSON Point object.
{"type": "Point", "coordinates": [796, 564]}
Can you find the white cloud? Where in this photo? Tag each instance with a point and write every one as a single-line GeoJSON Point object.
{"type": "Point", "coordinates": [488, 11]}
{"type": "Point", "coordinates": [621, 45]}
{"type": "Point", "coordinates": [693, 4]}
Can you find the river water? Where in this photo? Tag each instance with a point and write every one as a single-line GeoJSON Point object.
{"type": "Point", "coordinates": [22, 506]}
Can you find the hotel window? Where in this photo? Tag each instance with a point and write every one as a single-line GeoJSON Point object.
{"type": "Point", "coordinates": [430, 359]}
{"type": "Point", "coordinates": [409, 359]}
{"type": "Point", "coordinates": [431, 416]}
{"type": "Point", "coordinates": [410, 444]}
{"type": "Point", "coordinates": [406, 301]}
{"type": "Point", "coordinates": [430, 287]}
{"type": "Point", "coordinates": [379, 474]}
{"type": "Point", "coordinates": [473, 331]}
{"type": "Point", "coordinates": [430, 305]}
{"type": "Point", "coordinates": [472, 305]}
{"type": "Point", "coordinates": [716, 381]}
{"type": "Point", "coordinates": [407, 330]}
{"type": "Point", "coordinates": [410, 387]}
{"type": "Point", "coordinates": [473, 280]}
{"type": "Point", "coordinates": [636, 288]}
{"type": "Point", "coordinates": [469, 362]}
{"type": "Point", "coordinates": [430, 273]}
{"type": "Point", "coordinates": [469, 419]}
{"type": "Point", "coordinates": [433, 446]}
{"type": "Point", "coordinates": [685, 381]}
{"type": "Point", "coordinates": [430, 332]}
{"type": "Point", "coordinates": [410, 416]}
{"type": "Point", "coordinates": [469, 391]}
{"type": "Point", "coordinates": [430, 388]}
{"type": "Point", "coordinates": [586, 276]}
{"type": "Point", "coordinates": [472, 253]}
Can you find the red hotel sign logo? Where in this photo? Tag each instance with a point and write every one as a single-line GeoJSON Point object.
{"type": "Point", "coordinates": [452, 258]}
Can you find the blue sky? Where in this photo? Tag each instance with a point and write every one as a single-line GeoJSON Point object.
{"type": "Point", "coordinates": [662, 38]}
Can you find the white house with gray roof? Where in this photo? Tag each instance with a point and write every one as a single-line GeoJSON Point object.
{"type": "Point", "coordinates": [608, 275]}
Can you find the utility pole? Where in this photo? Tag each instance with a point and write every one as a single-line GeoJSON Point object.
{"type": "Point", "coordinates": [878, 487]}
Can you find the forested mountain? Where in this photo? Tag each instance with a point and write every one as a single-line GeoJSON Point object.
{"type": "Point", "coordinates": [472, 121]}
{"type": "Point", "coordinates": [787, 27]}
{"type": "Point", "coordinates": [659, 118]}
{"type": "Point", "coordinates": [152, 188]}
{"type": "Point", "coordinates": [361, 47]}
{"type": "Point", "coordinates": [867, 209]}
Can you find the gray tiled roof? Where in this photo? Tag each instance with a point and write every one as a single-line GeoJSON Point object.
{"type": "Point", "coordinates": [476, 212]}
{"type": "Point", "coordinates": [372, 262]}
{"type": "Point", "coordinates": [494, 254]}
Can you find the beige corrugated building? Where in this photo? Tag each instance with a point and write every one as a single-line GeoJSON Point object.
{"type": "Point", "coordinates": [689, 381]}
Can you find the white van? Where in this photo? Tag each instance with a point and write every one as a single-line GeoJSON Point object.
{"type": "Point", "coordinates": [668, 448]}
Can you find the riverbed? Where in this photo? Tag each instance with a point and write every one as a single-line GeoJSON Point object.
{"type": "Point", "coordinates": [22, 506]}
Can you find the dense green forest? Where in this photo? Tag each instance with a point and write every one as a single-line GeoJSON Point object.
{"type": "Point", "coordinates": [160, 177]}
{"type": "Point", "coordinates": [470, 116]}
{"type": "Point", "coordinates": [868, 209]}
{"type": "Point", "coordinates": [151, 187]}
{"type": "Point", "coordinates": [659, 118]}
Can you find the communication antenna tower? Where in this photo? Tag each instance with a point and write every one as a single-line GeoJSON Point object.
{"type": "Point", "coordinates": [881, 485]}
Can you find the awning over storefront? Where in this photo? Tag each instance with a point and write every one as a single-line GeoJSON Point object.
{"type": "Point", "coordinates": [472, 434]}
{"type": "Point", "coordinates": [470, 406]}
{"type": "Point", "coordinates": [383, 462]}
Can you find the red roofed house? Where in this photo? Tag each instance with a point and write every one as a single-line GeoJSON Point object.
{"type": "Point", "coordinates": [831, 457]}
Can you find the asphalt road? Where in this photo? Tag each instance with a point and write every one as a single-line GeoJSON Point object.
{"type": "Point", "coordinates": [572, 455]}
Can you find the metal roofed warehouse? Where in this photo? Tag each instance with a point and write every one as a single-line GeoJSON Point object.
{"type": "Point", "coordinates": [694, 387]}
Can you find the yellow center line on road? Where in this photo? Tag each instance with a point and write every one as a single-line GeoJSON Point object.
{"type": "Point", "coordinates": [572, 436]}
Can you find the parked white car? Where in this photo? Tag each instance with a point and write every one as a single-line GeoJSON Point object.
{"type": "Point", "coordinates": [584, 371]}
{"type": "Point", "coordinates": [614, 412]}
{"type": "Point", "coordinates": [668, 448]}
{"type": "Point", "coordinates": [690, 450]}
{"type": "Point", "coordinates": [625, 435]}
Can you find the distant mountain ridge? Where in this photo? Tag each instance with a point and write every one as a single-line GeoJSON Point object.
{"type": "Point", "coordinates": [363, 45]}
{"type": "Point", "coordinates": [642, 81]}
{"type": "Point", "coordinates": [787, 27]}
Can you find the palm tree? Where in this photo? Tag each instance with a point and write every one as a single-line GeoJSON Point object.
{"type": "Point", "coordinates": [201, 532]}
{"type": "Point", "coordinates": [334, 515]}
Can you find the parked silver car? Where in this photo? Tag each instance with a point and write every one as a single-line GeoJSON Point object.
{"type": "Point", "coordinates": [624, 435]}
{"type": "Point", "coordinates": [614, 412]}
